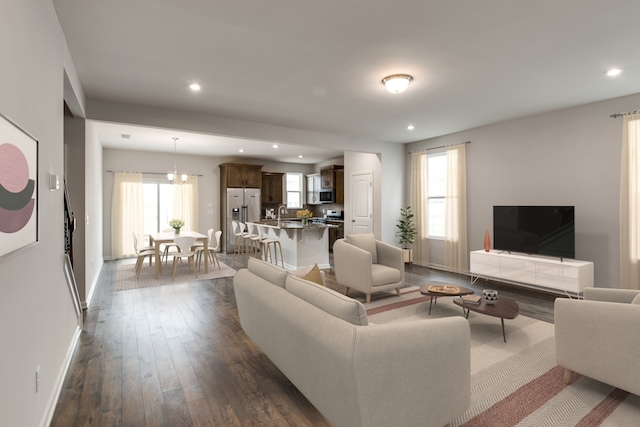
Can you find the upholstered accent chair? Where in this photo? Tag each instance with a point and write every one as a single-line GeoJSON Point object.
{"type": "Point", "coordinates": [368, 265]}
{"type": "Point", "coordinates": [598, 337]}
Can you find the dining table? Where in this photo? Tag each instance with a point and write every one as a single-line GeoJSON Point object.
{"type": "Point", "coordinates": [157, 239]}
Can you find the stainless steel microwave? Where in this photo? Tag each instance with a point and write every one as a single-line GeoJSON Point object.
{"type": "Point", "coordinates": [327, 196]}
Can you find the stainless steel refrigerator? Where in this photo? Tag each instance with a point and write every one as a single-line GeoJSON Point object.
{"type": "Point", "coordinates": [243, 204]}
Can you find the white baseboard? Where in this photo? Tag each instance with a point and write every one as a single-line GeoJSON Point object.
{"type": "Point", "coordinates": [47, 417]}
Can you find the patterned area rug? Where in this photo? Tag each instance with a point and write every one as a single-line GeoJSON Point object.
{"type": "Point", "coordinates": [516, 383]}
{"type": "Point", "coordinates": [126, 275]}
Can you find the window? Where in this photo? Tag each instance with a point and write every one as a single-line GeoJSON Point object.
{"type": "Point", "coordinates": [294, 190]}
{"type": "Point", "coordinates": [436, 191]}
{"type": "Point", "coordinates": [158, 206]}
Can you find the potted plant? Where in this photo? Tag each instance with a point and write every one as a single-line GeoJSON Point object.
{"type": "Point", "coordinates": [406, 232]}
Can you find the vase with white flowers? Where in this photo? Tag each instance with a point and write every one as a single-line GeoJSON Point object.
{"type": "Point", "coordinates": [176, 224]}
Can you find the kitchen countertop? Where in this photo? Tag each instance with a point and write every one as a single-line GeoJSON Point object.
{"type": "Point", "coordinates": [293, 224]}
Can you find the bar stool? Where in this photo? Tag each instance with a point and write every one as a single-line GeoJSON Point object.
{"type": "Point", "coordinates": [239, 233]}
{"type": "Point", "coordinates": [267, 244]}
{"type": "Point", "coordinates": [256, 237]}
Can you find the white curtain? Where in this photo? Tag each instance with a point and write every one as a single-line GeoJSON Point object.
{"type": "Point", "coordinates": [420, 207]}
{"type": "Point", "coordinates": [630, 203]}
{"type": "Point", "coordinates": [455, 236]}
{"type": "Point", "coordinates": [185, 203]}
{"type": "Point", "coordinates": [127, 213]}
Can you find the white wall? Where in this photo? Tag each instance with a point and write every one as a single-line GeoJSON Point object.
{"type": "Point", "coordinates": [37, 320]}
{"type": "Point", "coordinates": [93, 214]}
{"type": "Point", "coordinates": [568, 157]}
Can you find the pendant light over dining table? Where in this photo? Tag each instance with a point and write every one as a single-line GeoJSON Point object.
{"type": "Point", "coordinates": [172, 176]}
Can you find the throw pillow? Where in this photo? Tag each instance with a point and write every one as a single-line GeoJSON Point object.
{"type": "Point", "coordinates": [365, 241]}
{"type": "Point", "coordinates": [311, 273]}
{"type": "Point", "coordinates": [314, 275]}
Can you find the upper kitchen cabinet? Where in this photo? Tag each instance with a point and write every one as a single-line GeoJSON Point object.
{"type": "Point", "coordinates": [328, 176]}
{"type": "Point", "coordinates": [340, 186]}
{"type": "Point", "coordinates": [272, 187]}
{"type": "Point", "coordinates": [313, 189]}
{"type": "Point", "coordinates": [236, 175]}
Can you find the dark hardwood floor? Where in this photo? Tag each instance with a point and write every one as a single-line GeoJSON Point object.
{"type": "Point", "coordinates": [176, 356]}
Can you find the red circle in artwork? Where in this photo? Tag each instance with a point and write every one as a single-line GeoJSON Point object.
{"type": "Point", "coordinates": [14, 169]}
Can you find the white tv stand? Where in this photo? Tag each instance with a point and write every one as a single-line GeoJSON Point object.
{"type": "Point", "coordinates": [567, 276]}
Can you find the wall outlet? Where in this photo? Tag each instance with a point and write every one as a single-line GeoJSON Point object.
{"type": "Point", "coordinates": [38, 379]}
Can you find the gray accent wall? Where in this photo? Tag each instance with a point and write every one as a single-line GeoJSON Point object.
{"type": "Point", "coordinates": [567, 157]}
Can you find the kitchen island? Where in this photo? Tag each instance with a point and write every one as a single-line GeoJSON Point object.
{"type": "Point", "coordinates": [302, 245]}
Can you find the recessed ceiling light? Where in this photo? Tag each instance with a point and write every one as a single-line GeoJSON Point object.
{"type": "Point", "coordinates": [612, 72]}
{"type": "Point", "coordinates": [411, 127]}
{"type": "Point", "coordinates": [195, 87]}
{"type": "Point", "coordinates": [275, 145]}
{"type": "Point", "coordinates": [241, 150]}
{"type": "Point", "coordinates": [300, 156]}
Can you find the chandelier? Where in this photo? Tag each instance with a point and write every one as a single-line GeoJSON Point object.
{"type": "Point", "coordinates": [172, 176]}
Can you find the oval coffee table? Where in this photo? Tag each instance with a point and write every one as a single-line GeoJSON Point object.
{"type": "Point", "coordinates": [440, 289]}
{"type": "Point", "coordinates": [504, 308]}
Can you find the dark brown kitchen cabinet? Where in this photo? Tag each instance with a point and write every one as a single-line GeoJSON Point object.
{"type": "Point", "coordinates": [236, 175]}
{"type": "Point", "coordinates": [328, 176]}
{"type": "Point", "coordinates": [272, 187]}
{"type": "Point", "coordinates": [340, 186]}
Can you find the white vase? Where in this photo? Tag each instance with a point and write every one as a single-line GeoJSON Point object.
{"type": "Point", "coordinates": [490, 296]}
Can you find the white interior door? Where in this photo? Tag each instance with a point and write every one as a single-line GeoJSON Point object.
{"type": "Point", "coordinates": [361, 202]}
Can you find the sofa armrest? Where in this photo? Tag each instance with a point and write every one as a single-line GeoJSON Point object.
{"type": "Point", "coordinates": [352, 266]}
{"type": "Point", "coordinates": [600, 340]}
{"type": "Point", "coordinates": [610, 295]}
{"type": "Point", "coordinates": [425, 362]}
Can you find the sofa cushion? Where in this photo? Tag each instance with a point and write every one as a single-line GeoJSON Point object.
{"type": "Point", "coordinates": [311, 273]}
{"type": "Point", "coordinates": [267, 271]}
{"type": "Point", "coordinates": [636, 300]}
{"type": "Point", "coordinates": [383, 275]}
{"type": "Point", "coordinates": [328, 300]}
{"type": "Point", "coordinates": [365, 241]}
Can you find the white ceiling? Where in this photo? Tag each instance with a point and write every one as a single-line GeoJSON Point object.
{"type": "Point", "coordinates": [317, 66]}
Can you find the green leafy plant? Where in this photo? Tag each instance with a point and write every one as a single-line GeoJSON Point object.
{"type": "Point", "coordinates": [406, 228]}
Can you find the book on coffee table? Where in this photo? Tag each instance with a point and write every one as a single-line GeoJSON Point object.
{"type": "Point", "coordinates": [471, 299]}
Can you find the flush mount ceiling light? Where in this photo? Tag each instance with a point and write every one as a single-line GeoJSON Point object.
{"type": "Point", "coordinates": [172, 176]}
{"type": "Point", "coordinates": [411, 127]}
{"type": "Point", "coordinates": [195, 87]}
{"type": "Point", "coordinates": [397, 83]}
{"type": "Point", "coordinates": [613, 72]}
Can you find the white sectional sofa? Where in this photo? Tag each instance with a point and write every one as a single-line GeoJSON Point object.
{"type": "Point", "coordinates": [356, 374]}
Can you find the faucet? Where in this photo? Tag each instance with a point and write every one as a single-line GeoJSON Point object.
{"type": "Point", "coordinates": [280, 207]}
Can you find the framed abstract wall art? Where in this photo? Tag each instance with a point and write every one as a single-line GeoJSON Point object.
{"type": "Point", "coordinates": [18, 187]}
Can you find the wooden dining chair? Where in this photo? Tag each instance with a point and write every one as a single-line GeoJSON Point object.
{"type": "Point", "coordinates": [185, 244]}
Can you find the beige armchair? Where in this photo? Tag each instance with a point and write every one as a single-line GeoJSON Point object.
{"type": "Point", "coordinates": [599, 337]}
{"type": "Point", "coordinates": [368, 265]}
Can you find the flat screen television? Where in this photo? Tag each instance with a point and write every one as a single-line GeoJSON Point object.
{"type": "Point", "coordinates": [543, 230]}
